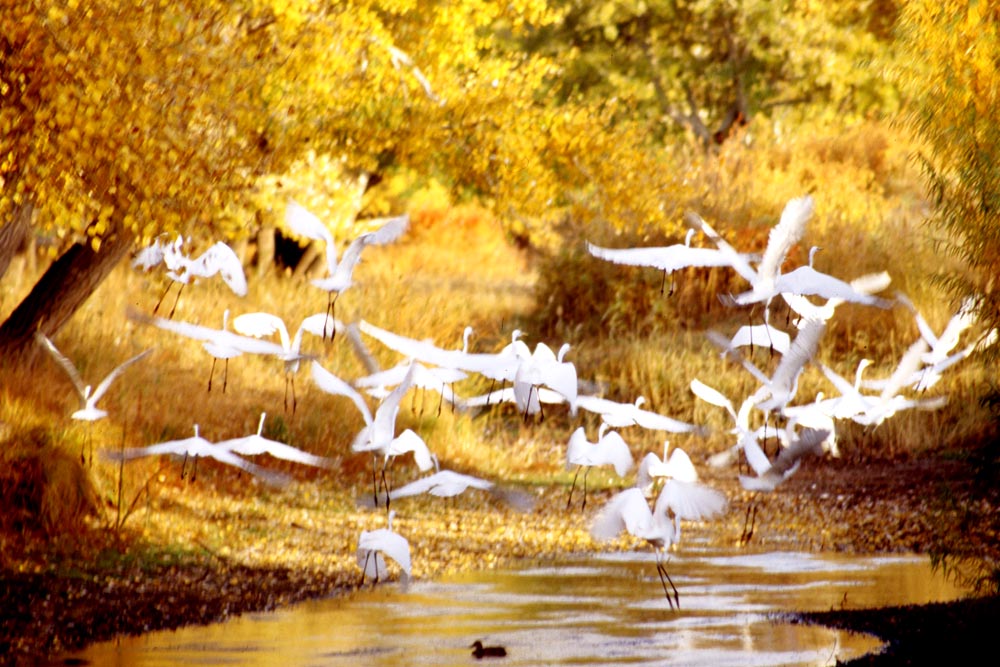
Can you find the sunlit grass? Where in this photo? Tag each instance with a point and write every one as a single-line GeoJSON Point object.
{"type": "Point", "coordinates": [628, 340]}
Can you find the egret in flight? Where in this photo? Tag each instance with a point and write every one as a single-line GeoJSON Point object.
{"type": "Point", "coordinates": [88, 410]}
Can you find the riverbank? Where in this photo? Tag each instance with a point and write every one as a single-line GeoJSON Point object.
{"type": "Point", "coordinates": [65, 596]}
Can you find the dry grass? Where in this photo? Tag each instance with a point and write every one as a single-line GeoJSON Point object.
{"type": "Point", "coordinates": [455, 268]}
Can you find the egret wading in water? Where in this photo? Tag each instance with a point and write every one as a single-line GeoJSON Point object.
{"type": "Point", "coordinates": [88, 410]}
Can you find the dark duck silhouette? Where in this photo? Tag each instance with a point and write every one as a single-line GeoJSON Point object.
{"type": "Point", "coordinates": [479, 651]}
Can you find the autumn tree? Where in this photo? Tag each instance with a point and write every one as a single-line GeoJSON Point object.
{"type": "Point", "coordinates": [953, 84]}
{"type": "Point", "coordinates": [702, 66]}
{"type": "Point", "coordinates": [122, 121]}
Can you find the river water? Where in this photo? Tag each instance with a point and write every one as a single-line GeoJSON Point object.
{"type": "Point", "coordinates": [584, 610]}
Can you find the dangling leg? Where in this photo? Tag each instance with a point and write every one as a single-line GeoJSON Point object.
{"type": "Point", "coordinates": [585, 488]}
{"type": "Point", "coordinates": [671, 293]}
{"type": "Point", "coordinates": [663, 282]}
{"type": "Point", "coordinates": [375, 479]}
{"type": "Point", "coordinates": [572, 486]}
{"type": "Point", "coordinates": [171, 315]}
{"type": "Point", "coordinates": [211, 375]}
{"type": "Point", "coordinates": [225, 376]}
{"type": "Point", "coordinates": [184, 464]}
{"type": "Point", "coordinates": [164, 294]}
{"type": "Point", "coordinates": [385, 484]}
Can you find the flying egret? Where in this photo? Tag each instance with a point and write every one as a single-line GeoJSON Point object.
{"type": "Point", "coordinates": [610, 449]}
{"type": "Point", "coordinates": [425, 377]}
{"type": "Point", "coordinates": [256, 444]}
{"type": "Point", "coordinates": [667, 259]}
{"type": "Point", "coordinates": [373, 545]}
{"type": "Point", "coordinates": [808, 441]}
{"type": "Point", "coordinates": [88, 410]}
{"type": "Point", "coordinates": [197, 446]}
{"type": "Point", "coordinates": [219, 259]}
{"type": "Point", "coordinates": [622, 415]}
{"type": "Point", "coordinates": [500, 366]}
{"type": "Point", "coordinates": [220, 349]}
{"type": "Point", "coordinates": [340, 274]}
{"type": "Point", "coordinates": [448, 483]}
{"type": "Point", "coordinates": [546, 368]}
{"type": "Point", "coordinates": [378, 435]}
{"type": "Point", "coordinates": [781, 238]}
{"type": "Point", "coordinates": [263, 325]}
{"type": "Point", "coordinates": [331, 384]}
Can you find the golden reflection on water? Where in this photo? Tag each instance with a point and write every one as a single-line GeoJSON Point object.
{"type": "Point", "coordinates": [597, 610]}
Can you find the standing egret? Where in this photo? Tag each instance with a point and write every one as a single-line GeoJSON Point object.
{"type": "Point", "coordinates": [610, 449]}
{"type": "Point", "coordinates": [373, 545]}
{"type": "Point", "coordinates": [88, 410]}
{"type": "Point", "coordinates": [262, 325]}
{"type": "Point", "coordinates": [340, 274]}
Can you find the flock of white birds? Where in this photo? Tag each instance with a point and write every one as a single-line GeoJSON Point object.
{"type": "Point", "coordinates": [532, 379]}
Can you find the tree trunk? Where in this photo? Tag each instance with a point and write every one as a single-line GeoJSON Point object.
{"type": "Point", "coordinates": [61, 290]}
{"type": "Point", "coordinates": [12, 234]}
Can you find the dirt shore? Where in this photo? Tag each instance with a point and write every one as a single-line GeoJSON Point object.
{"type": "Point", "coordinates": [68, 599]}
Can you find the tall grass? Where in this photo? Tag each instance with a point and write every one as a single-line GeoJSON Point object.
{"type": "Point", "coordinates": [456, 268]}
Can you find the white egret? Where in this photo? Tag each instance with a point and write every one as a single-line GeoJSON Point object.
{"type": "Point", "coordinates": [425, 377]}
{"type": "Point", "coordinates": [219, 259]}
{"type": "Point", "coordinates": [331, 384]}
{"type": "Point", "coordinates": [448, 483]}
{"type": "Point", "coordinates": [221, 349]}
{"type": "Point", "coordinates": [379, 434]}
{"type": "Point", "coordinates": [544, 367]}
{"type": "Point", "coordinates": [759, 334]}
{"type": "Point", "coordinates": [197, 446]}
{"type": "Point", "coordinates": [340, 274]}
{"type": "Point", "coordinates": [500, 366]}
{"type": "Point", "coordinates": [622, 415]}
{"type": "Point", "coordinates": [782, 237]}
{"type": "Point", "coordinates": [808, 441]}
{"type": "Point", "coordinates": [256, 444]}
{"type": "Point", "coordinates": [373, 545]}
{"type": "Point", "coordinates": [667, 258]}
{"type": "Point", "coordinates": [88, 410]}
{"type": "Point", "coordinates": [630, 511]}
{"type": "Point", "coordinates": [610, 449]}
{"type": "Point", "coordinates": [262, 325]}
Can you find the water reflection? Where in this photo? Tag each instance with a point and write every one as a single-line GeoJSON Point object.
{"type": "Point", "coordinates": [601, 609]}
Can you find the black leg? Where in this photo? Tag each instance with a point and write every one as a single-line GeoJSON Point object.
{"type": "Point", "coordinates": [176, 300]}
{"type": "Point", "coordinates": [572, 486]}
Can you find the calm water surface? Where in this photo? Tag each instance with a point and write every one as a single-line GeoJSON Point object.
{"type": "Point", "coordinates": [599, 609]}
